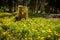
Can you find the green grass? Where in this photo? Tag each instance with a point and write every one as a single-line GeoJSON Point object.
{"type": "Point", "coordinates": [30, 29]}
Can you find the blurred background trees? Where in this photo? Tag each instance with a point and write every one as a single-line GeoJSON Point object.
{"type": "Point", "coordinates": [36, 6]}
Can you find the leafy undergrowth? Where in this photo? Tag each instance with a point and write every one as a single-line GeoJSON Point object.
{"type": "Point", "coordinates": [30, 29]}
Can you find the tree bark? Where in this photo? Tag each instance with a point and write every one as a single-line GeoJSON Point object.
{"type": "Point", "coordinates": [42, 6]}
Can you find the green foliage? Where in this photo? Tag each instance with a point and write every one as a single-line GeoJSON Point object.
{"type": "Point", "coordinates": [29, 29]}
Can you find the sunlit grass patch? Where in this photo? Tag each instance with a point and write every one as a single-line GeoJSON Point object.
{"type": "Point", "coordinates": [30, 29]}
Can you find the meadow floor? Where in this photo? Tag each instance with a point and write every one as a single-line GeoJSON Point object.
{"type": "Point", "coordinates": [30, 29]}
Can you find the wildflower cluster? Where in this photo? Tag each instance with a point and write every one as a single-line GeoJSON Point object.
{"type": "Point", "coordinates": [30, 29]}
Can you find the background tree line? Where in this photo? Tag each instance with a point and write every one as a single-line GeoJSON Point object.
{"type": "Point", "coordinates": [36, 6]}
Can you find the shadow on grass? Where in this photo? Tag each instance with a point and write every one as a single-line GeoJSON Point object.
{"type": "Point", "coordinates": [44, 15]}
{"type": "Point", "coordinates": [31, 15]}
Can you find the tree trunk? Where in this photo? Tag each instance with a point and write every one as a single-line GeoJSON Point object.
{"type": "Point", "coordinates": [36, 9]}
{"type": "Point", "coordinates": [42, 6]}
{"type": "Point", "coordinates": [10, 5]}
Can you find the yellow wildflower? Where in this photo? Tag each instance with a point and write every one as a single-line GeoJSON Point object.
{"type": "Point", "coordinates": [25, 35]}
{"type": "Point", "coordinates": [49, 30]}
{"type": "Point", "coordinates": [42, 25]}
{"type": "Point", "coordinates": [49, 36]}
{"type": "Point", "coordinates": [58, 38]}
{"type": "Point", "coordinates": [25, 38]}
{"type": "Point", "coordinates": [43, 31]}
{"type": "Point", "coordinates": [42, 38]}
{"type": "Point", "coordinates": [0, 28]}
{"type": "Point", "coordinates": [33, 29]}
{"type": "Point", "coordinates": [13, 31]}
{"type": "Point", "coordinates": [5, 33]}
{"type": "Point", "coordinates": [57, 34]}
{"type": "Point", "coordinates": [25, 25]}
{"type": "Point", "coordinates": [13, 38]}
{"type": "Point", "coordinates": [9, 35]}
{"type": "Point", "coordinates": [30, 38]}
{"type": "Point", "coordinates": [36, 30]}
{"type": "Point", "coordinates": [38, 37]}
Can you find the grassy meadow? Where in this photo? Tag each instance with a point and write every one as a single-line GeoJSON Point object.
{"type": "Point", "coordinates": [35, 28]}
